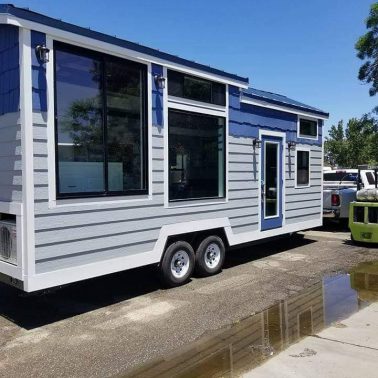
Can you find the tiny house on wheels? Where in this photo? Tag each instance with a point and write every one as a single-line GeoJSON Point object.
{"type": "Point", "coordinates": [114, 155]}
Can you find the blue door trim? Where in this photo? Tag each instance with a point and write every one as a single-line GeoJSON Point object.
{"type": "Point", "coordinates": [268, 223]}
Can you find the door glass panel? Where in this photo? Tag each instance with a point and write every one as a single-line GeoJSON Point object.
{"type": "Point", "coordinates": [271, 179]}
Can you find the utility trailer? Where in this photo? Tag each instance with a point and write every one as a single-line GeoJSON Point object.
{"type": "Point", "coordinates": [115, 155]}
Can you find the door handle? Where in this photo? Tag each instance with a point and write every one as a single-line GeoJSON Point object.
{"type": "Point", "coordinates": [262, 190]}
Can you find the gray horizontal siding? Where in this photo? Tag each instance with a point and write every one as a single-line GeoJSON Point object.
{"type": "Point", "coordinates": [303, 218]}
{"type": "Point", "coordinates": [68, 261]}
{"type": "Point", "coordinates": [248, 227]}
{"type": "Point", "coordinates": [303, 203]}
{"type": "Point", "coordinates": [75, 235]}
{"type": "Point", "coordinates": [10, 158]}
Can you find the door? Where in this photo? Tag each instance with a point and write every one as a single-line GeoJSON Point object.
{"type": "Point", "coordinates": [271, 182]}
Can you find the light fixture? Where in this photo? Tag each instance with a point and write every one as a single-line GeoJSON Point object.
{"type": "Point", "coordinates": [256, 143]}
{"type": "Point", "coordinates": [291, 145]}
{"type": "Point", "coordinates": [43, 53]}
{"type": "Point", "coordinates": [160, 81]}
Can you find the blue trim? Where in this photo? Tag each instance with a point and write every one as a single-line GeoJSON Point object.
{"type": "Point", "coordinates": [246, 120]}
{"type": "Point", "coordinates": [277, 99]}
{"type": "Point", "coordinates": [9, 70]}
{"type": "Point", "coordinates": [157, 98]}
{"type": "Point", "coordinates": [39, 83]}
{"type": "Point", "coordinates": [270, 223]}
{"type": "Point", "coordinates": [48, 21]}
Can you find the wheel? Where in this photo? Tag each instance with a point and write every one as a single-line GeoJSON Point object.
{"type": "Point", "coordinates": [177, 264]}
{"type": "Point", "coordinates": [210, 256]}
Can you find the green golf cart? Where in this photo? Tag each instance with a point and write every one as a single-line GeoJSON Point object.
{"type": "Point", "coordinates": [363, 213]}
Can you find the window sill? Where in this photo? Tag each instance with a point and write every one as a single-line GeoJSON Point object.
{"type": "Point", "coordinates": [116, 200]}
{"type": "Point", "coordinates": [308, 137]}
{"type": "Point", "coordinates": [302, 186]}
{"type": "Point", "coordinates": [196, 202]}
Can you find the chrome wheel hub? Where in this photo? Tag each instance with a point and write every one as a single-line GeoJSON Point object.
{"type": "Point", "coordinates": [180, 264]}
{"type": "Point", "coordinates": [212, 255]}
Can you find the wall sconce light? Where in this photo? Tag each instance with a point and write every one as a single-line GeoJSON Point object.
{"type": "Point", "coordinates": [256, 143]}
{"type": "Point", "coordinates": [43, 53]}
{"type": "Point", "coordinates": [291, 145]}
{"type": "Point", "coordinates": [160, 81]}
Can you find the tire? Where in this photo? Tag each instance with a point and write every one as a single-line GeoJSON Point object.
{"type": "Point", "coordinates": [210, 256]}
{"type": "Point", "coordinates": [177, 264]}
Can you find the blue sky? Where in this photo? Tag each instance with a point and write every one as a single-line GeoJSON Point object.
{"type": "Point", "coordinates": [301, 49]}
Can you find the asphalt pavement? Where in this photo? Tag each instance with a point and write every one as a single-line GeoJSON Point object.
{"type": "Point", "coordinates": [109, 325]}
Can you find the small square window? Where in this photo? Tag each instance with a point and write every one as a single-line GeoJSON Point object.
{"type": "Point", "coordinates": [308, 128]}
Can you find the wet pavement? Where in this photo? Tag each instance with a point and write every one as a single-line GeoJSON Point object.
{"type": "Point", "coordinates": [272, 294]}
{"type": "Point", "coordinates": [237, 349]}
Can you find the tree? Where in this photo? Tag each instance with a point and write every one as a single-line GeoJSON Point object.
{"type": "Point", "coordinates": [367, 49]}
{"type": "Point", "coordinates": [335, 146]}
{"type": "Point", "coordinates": [356, 145]}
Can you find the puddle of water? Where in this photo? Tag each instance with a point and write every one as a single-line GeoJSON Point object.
{"type": "Point", "coordinates": [243, 346]}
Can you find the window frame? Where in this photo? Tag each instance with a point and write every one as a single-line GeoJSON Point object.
{"type": "Point", "coordinates": [303, 136]}
{"type": "Point", "coordinates": [103, 57]}
{"type": "Point", "coordinates": [199, 200]}
{"type": "Point", "coordinates": [302, 149]}
{"type": "Point", "coordinates": [184, 98]}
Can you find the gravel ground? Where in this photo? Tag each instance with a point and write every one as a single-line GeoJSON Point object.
{"type": "Point", "coordinates": [105, 326]}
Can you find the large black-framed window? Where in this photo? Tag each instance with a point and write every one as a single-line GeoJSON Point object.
{"type": "Point", "coordinates": [195, 88]}
{"type": "Point", "coordinates": [100, 124]}
{"type": "Point", "coordinates": [196, 156]}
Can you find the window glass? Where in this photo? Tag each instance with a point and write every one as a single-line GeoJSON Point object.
{"type": "Point", "coordinates": [340, 176]}
{"type": "Point", "coordinates": [308, 128]}
{"type": "Point", "coordinates": [194, 88]}
{"type": "Point", "coordinates": [370, 177]}
{"type": "Point", "coordinates": [79, 123]}
{"type": "Point", "coordinates": [100, 123]}
{"type": "Point", "coordinates": [271, 179]}
{"type": "Point", "coordinates": [196, 156]}
{"type": "Point", "coordinates": [125, 131]}
{"type": "Point", "coordinates": [303, 168]}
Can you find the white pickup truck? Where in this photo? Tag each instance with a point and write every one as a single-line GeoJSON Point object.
{"type": "Point", "coordinates": [340, 188]}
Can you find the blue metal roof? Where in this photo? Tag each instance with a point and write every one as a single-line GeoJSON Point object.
{"type": "Point", "coordinates": [26, 14]}
{"type": "Point", "coordinates": [277, 99]}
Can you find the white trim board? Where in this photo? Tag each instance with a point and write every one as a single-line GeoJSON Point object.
{"type": "Point", "coordinates": [82, 272]}
{"type": "Point", "coordinates": [281, 135]}
{"type": "Point", "coordinates": [282, 108]}
{"type": "Point", "coordinates": [14, 208]}
{"type": "Point", "coordinates": [26, 108]}
{"type": "Point", "coordinates": [109, 48]}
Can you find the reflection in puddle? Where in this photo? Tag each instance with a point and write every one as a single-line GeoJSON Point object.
{"type": "Point", "coordinates": [239, 348]}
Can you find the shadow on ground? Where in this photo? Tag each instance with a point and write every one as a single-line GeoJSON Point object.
{"type": "Point", "coordinates": [34, 310]}
{"type": "Point", "coordinates": [333, 226]}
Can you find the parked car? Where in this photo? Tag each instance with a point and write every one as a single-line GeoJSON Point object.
{"type": "Point", "coordinates": [339, 190]}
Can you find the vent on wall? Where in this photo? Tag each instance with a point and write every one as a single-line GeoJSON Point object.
{"type": "Point", "coordinates": [8, 242]}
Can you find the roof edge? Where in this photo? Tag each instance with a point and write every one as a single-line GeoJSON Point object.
{"type": "Point", "coordinates": [306, 109]}
{"type": "Point", "coordinates": [62, 25]}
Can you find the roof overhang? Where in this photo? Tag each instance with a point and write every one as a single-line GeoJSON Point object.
{"type": "Point", "coordinates": [283, 108]}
